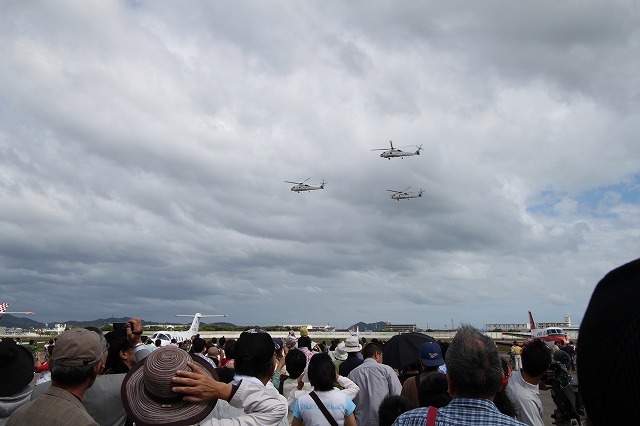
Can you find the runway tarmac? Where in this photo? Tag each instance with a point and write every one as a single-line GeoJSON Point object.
{"type": "Point", "coordinates": [547, 406]}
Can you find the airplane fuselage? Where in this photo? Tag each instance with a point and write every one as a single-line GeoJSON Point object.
{"type": "Point", "coordinates": [550, 335]}
{"type": "Point", "coordinates": [167, 336]}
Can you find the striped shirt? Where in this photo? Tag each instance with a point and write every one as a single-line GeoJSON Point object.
{"type": "Point", "coordinates": [460, 412]}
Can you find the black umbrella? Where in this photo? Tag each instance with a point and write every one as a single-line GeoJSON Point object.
{"type": "Point", "coordinates": [404, 349]}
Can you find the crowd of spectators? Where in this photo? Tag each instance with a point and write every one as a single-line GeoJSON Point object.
{"type": "Point", "coordinates": [122, 378]}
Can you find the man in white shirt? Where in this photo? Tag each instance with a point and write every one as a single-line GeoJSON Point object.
{"type": "Point", "coordinates": [376, 381]}
{"type": "Point", "coordinates": [254, 355]}
{"type": "Point", "coordinates": [523, 386]}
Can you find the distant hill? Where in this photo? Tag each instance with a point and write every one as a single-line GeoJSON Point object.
{"type": "Point", "coordinates": [11, 321]}
{"type": "Point", "coordinates": [102, 322]}
{"type": "Point", "coordinates": [372, 326]}
{"type": "Point", "coordinates": [218, 324]}
{"type": "Point", "coordinates": [108, 321]}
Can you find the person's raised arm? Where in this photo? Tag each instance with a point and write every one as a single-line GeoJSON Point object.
{"type": "Point", "coordinates": [134, 333]}
{"type": "Point", "coordinates": [200, 387]}
{"type": "Point", "coordinates": [261, 406]}
{"type": "Point", "coordinates": [349, 388]}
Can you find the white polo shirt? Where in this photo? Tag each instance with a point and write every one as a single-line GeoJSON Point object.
{"type": "Point", "coordinates": [526, 398]}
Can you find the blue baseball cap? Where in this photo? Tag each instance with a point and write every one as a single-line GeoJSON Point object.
{"type": "Point", "coordinates": [431, 354]}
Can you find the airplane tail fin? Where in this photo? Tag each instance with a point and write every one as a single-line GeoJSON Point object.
{"type": "Point", "coordinates": [195, 324]}
{"type": "Point", "coordinates": [532, 323]}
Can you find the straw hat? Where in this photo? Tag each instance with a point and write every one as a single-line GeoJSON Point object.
{"type": "Point", "coordinates": [147, 395]}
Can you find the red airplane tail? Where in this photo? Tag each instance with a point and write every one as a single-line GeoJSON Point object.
{"type": "Point", "coordinates": [532, 323]}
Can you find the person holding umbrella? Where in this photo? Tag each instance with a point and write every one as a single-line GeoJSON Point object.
{"type": "Point", "coordinates": [402, 349]}
{"type": "Point", "coordinates": [430, 360]}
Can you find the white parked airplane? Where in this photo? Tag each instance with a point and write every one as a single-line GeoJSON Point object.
{"type": "Point", "coordinates": [180, 336]}
{"type": "Point", "coordinates": [3, 310]}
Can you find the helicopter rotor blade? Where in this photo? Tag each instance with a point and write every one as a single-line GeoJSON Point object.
{"type": "Point", "coordinates": [295, 183]}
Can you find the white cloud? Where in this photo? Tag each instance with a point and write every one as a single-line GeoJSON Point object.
{"type": "Point", "coordinates": [144, 149]}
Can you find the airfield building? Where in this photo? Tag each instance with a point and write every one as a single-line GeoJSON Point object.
{"type": "Point", "coordinates": [400, 327]}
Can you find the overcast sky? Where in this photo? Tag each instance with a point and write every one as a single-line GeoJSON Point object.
{"type": "Point", "coordinates": [144, 147]}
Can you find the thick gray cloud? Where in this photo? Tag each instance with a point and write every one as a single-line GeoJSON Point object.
{"type": "Point", "coordinates": [144, 149]}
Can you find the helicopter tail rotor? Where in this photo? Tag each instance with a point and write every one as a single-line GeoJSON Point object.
{"type": "Point", "coordinates": [419, 149]}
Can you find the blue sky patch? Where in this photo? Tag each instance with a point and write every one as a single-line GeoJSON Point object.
{"type": "Point", "coordinates": [595, 202]}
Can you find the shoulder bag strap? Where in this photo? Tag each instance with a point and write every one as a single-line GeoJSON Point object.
{"type": "Point", "coordinates": [418, 383]}
{"type": "Point", "coordinates": [431, 417]}
{"type": "Point", "coordinates": [322, 408]}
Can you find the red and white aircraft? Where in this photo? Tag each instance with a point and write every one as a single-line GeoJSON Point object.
{"type": "Point", "coordinates": [551, 335]}
{"type": "Point", "coordinates": [3, 310]}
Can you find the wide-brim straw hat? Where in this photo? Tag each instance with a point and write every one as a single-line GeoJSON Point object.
{"type": "Point", "coordinates": [147, 395]}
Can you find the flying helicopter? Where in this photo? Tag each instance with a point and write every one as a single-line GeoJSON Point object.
{"type": "Point", "coordinates": [395, 152]}
{"type": "Point", "coordinates": [404, 195]}
{"type": "Point", "coordinates": [302, 186]}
